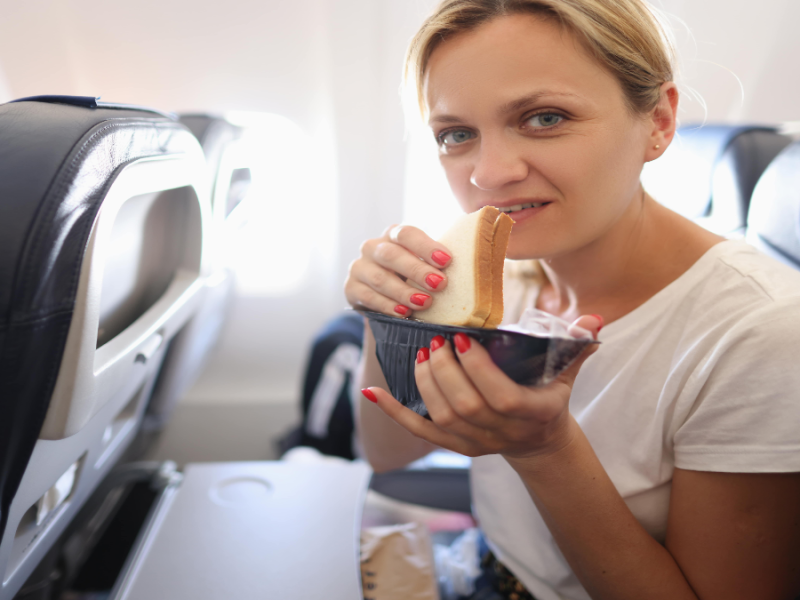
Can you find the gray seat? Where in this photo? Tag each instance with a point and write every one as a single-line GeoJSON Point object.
{"type": "Point", "coordinates": [773, 224]}
{"type": "Point", "coordinates": [101, 232]}
{"type": "Point", "coordinates": [188, 352]}
{"type": "Point", "coordinates": [104, 213]}
{"type": "Point", "coordinates": [709, 172]}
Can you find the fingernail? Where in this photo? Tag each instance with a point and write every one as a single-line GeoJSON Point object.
{"type": "Point", "coordinates": [434, 280]}
{"type": "Point", "coordinates": [440, 257]}
{"type": "Point", "coordinates": [437, 342]}
{"type": "Point", "coordinates": [419, 299]}
{"type": "Point", "coordinates": [369, 395]}
{"type": "Point", "coordinates": [423, 354]}
{"type": "Point", "coordinates": [599, 318]}
{"type": "Point", "coordinates": [462, 342]}
{"type": "Point", "coordinates": [401, 310]}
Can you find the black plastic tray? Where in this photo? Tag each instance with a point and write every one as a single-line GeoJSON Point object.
{"type": "Point", "coordinates": [526, 359]}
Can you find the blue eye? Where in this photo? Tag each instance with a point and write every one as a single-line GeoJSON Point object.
{"type": "Point", "coordinates": [545, 120]}
{"type": "Point", "coordinates": [454, 137]}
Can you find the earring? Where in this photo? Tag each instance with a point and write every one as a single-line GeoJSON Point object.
{"type": "Point", "coordinates": [657, 146]}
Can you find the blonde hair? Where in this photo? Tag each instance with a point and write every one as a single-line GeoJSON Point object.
{"type": "Point", "coordinates": [623, 35]}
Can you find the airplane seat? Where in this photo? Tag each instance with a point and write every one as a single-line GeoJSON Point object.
{"type": "Point", "coordinates": [709, 172]}
{"type": "Point", "coordinates": [103, 210]}
{"type": "Point", "coordinates": [773, 223]}
{"type": "Point", "coordinates": [229, 183]}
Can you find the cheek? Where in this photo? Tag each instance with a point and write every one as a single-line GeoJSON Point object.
{"type": "Point", "coordinates": [458, 173]}
{"type": "Point", "coordinates": [603, 174]}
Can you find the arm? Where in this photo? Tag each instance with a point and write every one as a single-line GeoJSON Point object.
{"type": "Point", "coordinates": [729, 535]}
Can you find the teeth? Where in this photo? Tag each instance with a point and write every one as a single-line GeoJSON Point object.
{"type": "Point", "coordinates": [516, 207]}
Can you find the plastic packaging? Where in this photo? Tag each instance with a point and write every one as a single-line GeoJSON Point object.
{"type": "Point", "coordinates": [542, 324]}
{"type": "Point", "coordinates": [528, 358]}
{"type": "Point", "coordinates": [458, 565]}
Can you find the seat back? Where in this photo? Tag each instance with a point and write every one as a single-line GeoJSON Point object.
{"type": "Point", "coordinates": [718, 167]}
{"type": "Point", "coordinates": [229, 182]}
{"type": "Point", "coordinates": [773, 223]}
{"type": "Point", "coordinates": [102, 217]}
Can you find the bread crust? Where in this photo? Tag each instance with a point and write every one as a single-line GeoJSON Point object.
{"type": "Point", "coordinates": [502, 233]}
{"type": "Point", "coordinates": [484, 288]}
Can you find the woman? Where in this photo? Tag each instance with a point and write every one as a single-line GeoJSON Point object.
{"type": "Point", "coordinates": [664, 465]}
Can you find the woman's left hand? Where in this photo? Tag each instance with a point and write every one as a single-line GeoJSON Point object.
{"type": "Point", "coordinates": [476, 409]}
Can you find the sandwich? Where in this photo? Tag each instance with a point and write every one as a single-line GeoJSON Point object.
{"type": "Point", "coordinates": [474, 294]}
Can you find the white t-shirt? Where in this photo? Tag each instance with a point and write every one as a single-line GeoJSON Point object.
{"type": "Point", "coordinates": [702, 376]}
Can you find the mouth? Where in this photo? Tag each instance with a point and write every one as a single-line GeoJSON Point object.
{"type": "Point", "coordinates": [518, 207]}
{"type": "Point", "coordinates": [524, 210]}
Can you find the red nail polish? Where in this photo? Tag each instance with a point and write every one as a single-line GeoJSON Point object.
{"type": "Point", "coordinates": [419, 299]}
{"type": "Point", "coordinates": [434, 280]}
{"type": "Point", "coordinates": [437, 342]}
{"type": "Point", "coordinates": [440, 257]}
{"type": "Point", "coordinates": [599, 318]}
{"type": "Point", "coordinates": [369, 395]}
{"type": "Point", "coordinates": [423, 354]}
{"type": "Point", "coordinates": [401, 310]}
{"type": "Point", "coordinates": [462, 342]}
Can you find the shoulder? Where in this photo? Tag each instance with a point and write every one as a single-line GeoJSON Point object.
{"type": "Point", "coordinates": [740, 267]}
{"type": "Point", "coordinates": [748, 304]}
{"type": "Point", "coordinates": [738, 291]}
{"type": "Point", "coordinates": [738, 407]}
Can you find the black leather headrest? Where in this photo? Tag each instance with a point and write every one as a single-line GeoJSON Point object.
{"type": "Point", "coordinates": [58, 158]}
{"type": "Point", "coordinates": [773, 223]}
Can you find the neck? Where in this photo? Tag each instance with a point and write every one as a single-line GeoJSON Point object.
{"type": "Point", "coordinates": [647, 249]}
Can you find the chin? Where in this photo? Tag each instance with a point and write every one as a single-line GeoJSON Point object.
{"type": "Point", "coordinates": [527, 246]}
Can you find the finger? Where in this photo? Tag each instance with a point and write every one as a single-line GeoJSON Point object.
{"type": "Point", "coordinates": [417, 425]}
{"type": "Point", "coordinates": [457, 388]}
{"type": "Point", "coordinates": [361, 295]}
{"type": "Point", "coordinates": [439, 409]}
{"type": "Point", "coordinates": [504, 396]}
{"type": "Point", "coordinates": [418, 242]}
{"type": "Point", "coordinates": [586, 323]}
{"type": "Point", "coordinates": [400, 260]}
{"type": "Point", "coordinates": [388, 284]}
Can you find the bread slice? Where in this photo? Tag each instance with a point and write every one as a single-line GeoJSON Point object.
{"type": "Point", "coordinates": [474, 293]}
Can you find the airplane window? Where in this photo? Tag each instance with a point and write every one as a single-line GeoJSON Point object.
{"type": "Point", "coordinates": [285, 212]}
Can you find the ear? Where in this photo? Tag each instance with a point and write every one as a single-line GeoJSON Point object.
{"type": "Point", "coordinates": [663, 122]}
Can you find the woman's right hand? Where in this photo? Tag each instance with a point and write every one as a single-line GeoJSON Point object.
{"type": "Point", "coordinates": [380, 279]}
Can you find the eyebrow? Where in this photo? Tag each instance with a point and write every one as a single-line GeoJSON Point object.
{"type": "Point", "coordinates": [508, 107]}
{"type": "Point", "coordinates": [515, 105]}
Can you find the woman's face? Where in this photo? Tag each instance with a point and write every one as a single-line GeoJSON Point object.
{"type": "Point", "coordinates": [527, 120]}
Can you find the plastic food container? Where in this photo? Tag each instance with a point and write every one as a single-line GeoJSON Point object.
{"type": "Point", "coordinates": [526, 359]}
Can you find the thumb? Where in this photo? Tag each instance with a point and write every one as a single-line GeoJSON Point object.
{"type": "Point", "coordinates": [588, 323]}
{"type": "Point", "coordinates": [570, 373]}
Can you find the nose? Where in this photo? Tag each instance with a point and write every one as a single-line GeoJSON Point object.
{"type": "Point", "coordinates": [498, 163]}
